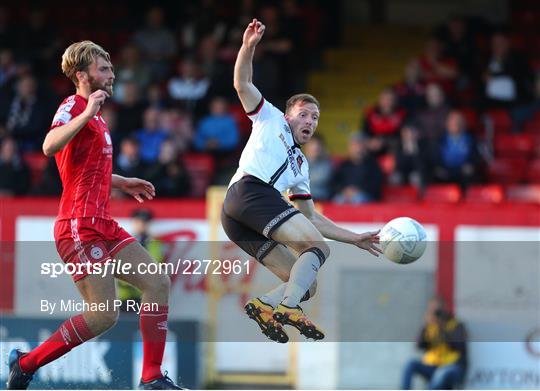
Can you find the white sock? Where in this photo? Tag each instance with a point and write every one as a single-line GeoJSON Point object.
{"type": "Point", "coordinates": [303, 274]}
{"type": "Point", "coordinates": [275, 296]}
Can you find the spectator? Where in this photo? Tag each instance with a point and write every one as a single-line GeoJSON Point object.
{"type": "Point", "coordinates": [217, 132]}
{"type": "Point", "coordinates": [179, 126]}
{"type": "Point", "coordinates": [130, 69]}
{"type": "Point", "coordinates": [383, 121]}
{"type": "Point", "coordinates": [26, 115]}
{"type": "Point", "coordinates": [459, 44]}
{"type": "Point", "coordinates": [168, 174]}
{"type": "Point", "coordinates": [506, 75]}
{"type": "Point", "coordinates": [444, 340]}
{"type": "Point", "coordinates": [8, 68]}
{"type": "Point", "coordinates": [410, 93]}
{"type": "Point", "coordinates": [189, 86]}
{"type": "Point", "coordinates": [437, 68]}
{"type": "Point", "coordinates": [157, 44]}
{"type": "Point", "coordinates": [128, 162]}
{"type": "Point", "coordinates": [411, 163]}
{"type": "Point", "coordinates": [432, 118]}
{"type": "Point", "coordinates": [151, 135]}
{"type": "Point", "coordinates": [359, 178]}
{"type": "Point", "coordinates": [130, 109]}
{"type": "Point", "coordinates": [156, 97]}
{"type": "Point", "coordinates": [14, 174]}
{"type": "Point", "coordinates": [320, 168]}
{"type": "Point", "coordinates": [457, 156]}
{"type": "Point", "coordinates": [50, 184]}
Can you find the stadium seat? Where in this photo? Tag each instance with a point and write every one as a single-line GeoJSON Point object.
{"type": "Point", "coordinates": [523, 193]}
{"type": "Point", "coordinates": [200, 168]}
{"type": "Point", "coordinates": [507, 170]}
{"type": "Point", "coordinates": [533, 171]}
{"type": "Point", "coordinates": [502, 123]}
{"type": "Point", "coordinates": [474, 125]}
{"type": "Point", "coordinates": [485, 194]}
{"type": "Point", "coordinates": [513, 145]}
{"type": "Point", "coordinates": [447, 193]}
{"type": "Point", "coordinates": [400, 194]}
{"type": "Point", "coordinates": [36, 162]}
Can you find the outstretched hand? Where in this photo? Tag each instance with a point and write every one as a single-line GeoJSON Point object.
{"type": "Point", "coordinates": [138, 188]}
{"type": "Point", "coordinates": [253, 33]}
{"type": "Point", "coordinates": [368, 241]}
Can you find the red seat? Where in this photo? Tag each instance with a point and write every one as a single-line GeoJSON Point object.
{"type": "Point", "coordinates": [524, 193]}
{"type": "Point", "coordinates": [448, 193]}
{"type": "Point", "coordinates": [36, 162]}
{"type": "Point", "coordinates": [502, 122]}
{"type": "Point", "coordinates": [533, 171]}
{"type": "Point", "coordinates": [507, 170]}
{"type": "Point", "coordinates": [485, 194]}
{"type": "Point", "coordinates": [514, 145]}
{"type": "Point", "coordinates": [200, 168]}
{"type": "Point", "coordinates": [387, 163]}
{"type": "Point", "coordinates": [400, 194]}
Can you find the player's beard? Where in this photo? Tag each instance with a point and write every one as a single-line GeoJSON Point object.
{"type": "Point", "coordinates": [94, 86]}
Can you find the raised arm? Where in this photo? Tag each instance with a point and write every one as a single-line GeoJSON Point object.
{"type": "Point", "coordinates": [243, 68]}
{"type": "Point", "coordinates": [330, 230]}
{"type": "Point", "coordinates": [60, 136]}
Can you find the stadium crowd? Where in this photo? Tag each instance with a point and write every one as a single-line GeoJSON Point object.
{"type": "Point", "coordinates": [467, 110]}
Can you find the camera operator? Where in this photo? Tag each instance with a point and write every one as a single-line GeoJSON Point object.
{"type": "Point", "coordinates": [443, 339]}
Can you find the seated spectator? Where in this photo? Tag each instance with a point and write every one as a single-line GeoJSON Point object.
{"type": "Point", "coordinates": [457, 156]}
{"type": "Point", "coordinates": [130, 69]}
{"type": "Point", "coordinates": [157, 44]}
{"type": "Point", "coordinates": [217, 132]}
{"type": "Point", "coordinates": [129, 112]}
{"type": "Point", "coordinates": [26, 115]}
{"type": "Point", "coordinates": [411, 159]}
{"type": "Point", "coordinates": [14, 174]}
{"type": "Point", "coordinates": [128, 162]}
{"type": "Point", "coordinates": [189, 86]}
{"type": "Point", "coordinates": [432, 118]}
{"type": "Point", "coordinates": [168, 174]}
{"type": "Point", "coordinates": [436, 68]}
{"type": "Point", "coordinates": [320, 168]}
{"type": "Point", "coordinates": [444, 340]}
{"type": "Point", "coordinates": [179, 126]}
{"type": "Point", "coordinates": [8, 67]}
{"type": "Point", "coordinates": [50, 184]}
{"type": "Point", "coordinates": [151, 135]}
{"type": "Point", "coordinates": [506, 75]}
{"type": "Point", "coordinates": [156, 96]}
{"type": "Point", "coordinates": [383, 122]}
{"type": "Point", "coordinates": [358, 179]}
{"type": "Point", "coordinates": [459, 44]}
{"type": "Point", "coordinates": [410, 92]}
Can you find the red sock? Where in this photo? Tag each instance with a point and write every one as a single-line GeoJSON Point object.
{"type": "Point", "coordinates": [71, 333]}
{"type": "Point", "coordinates": [153, 326]}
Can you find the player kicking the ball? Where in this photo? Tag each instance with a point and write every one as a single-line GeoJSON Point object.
{"type": "Point", "coordinates": [84, 231]}
{"type": "Point", "coordinates": [260, 221]}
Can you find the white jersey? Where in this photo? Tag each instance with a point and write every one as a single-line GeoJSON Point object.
{"type": "Point", "coordinates": [272, 155]}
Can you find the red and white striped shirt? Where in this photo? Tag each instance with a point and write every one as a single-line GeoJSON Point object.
{"type": "Point", "coordinates": [85, 164]}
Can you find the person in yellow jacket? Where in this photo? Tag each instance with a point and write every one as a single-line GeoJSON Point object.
{"type": "Point", "coordinates": [444, 341]}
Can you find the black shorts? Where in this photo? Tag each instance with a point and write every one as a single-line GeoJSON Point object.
{"type": "Point", "coordinates": [252, 210]}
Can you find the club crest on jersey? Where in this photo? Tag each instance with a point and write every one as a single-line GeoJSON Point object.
{"type": "Point", "coordinates": [299, 161]}
{"type": "Point", "coordinates": [96, 252]}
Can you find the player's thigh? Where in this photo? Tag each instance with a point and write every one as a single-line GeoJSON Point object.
{"type": "Point", "coordinates": [140, 275]}
{"type": "Point", "coordinates": [300, 234]}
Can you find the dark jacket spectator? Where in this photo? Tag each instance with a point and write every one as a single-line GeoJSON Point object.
{"type": "Point", "coordinates": [128, 162]}
{"type": "Point", "coordinates": [359, 178]}
{"type": "Point", "coordinates": [431, 119]}
{"type": "Point", "coordinates": [14, 174]}
{"type": "Point", "coordinates": [168, 174]}
{"type": "Point", "coordinates": [129, 112]}
{"type": "Point", "coordinates": [410, 92]}
{"type": "Point", "coordinates": [411, 159]}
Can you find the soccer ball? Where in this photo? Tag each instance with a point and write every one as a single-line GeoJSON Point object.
{"type": "Point", "coordinates": [403, 240]}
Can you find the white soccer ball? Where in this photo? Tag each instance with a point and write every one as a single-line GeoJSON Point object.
{"type": "Point", "coordinates": [403, 240]}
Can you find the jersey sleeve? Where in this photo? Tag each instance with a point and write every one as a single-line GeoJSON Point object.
{"type": "Point", "coordinates": [301, 191]}
{"type": "Point", "coordinates": [263, 112]}
{"type": "Point", "coordinates": [68, 110]}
